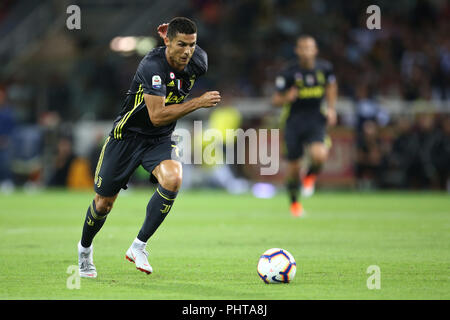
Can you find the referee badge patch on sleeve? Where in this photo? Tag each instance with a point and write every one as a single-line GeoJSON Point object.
{"type": "Point", "coordinates": [156, 82]}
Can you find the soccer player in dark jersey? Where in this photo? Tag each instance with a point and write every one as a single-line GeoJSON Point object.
{"type": "Point", "coordinates": [301, 88]}
{"type": "Point", "coordinates": [141, 135]}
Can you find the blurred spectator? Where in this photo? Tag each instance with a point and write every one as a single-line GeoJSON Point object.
{"type": "Point", "coordinates": [7, 126]}
{"type": "Point", "coordinates": [390, 58]}
{"type": "Point", "coordinates": [421, 172]}
{"type": "Point", "coordinates": [63, 160]}
{"type": "Point", "coordinates": [399, 157]}
{"type": "Point", "coordinates": [442, 69]}
{"type": "Point", "coordinates": [27, 154]}
{"type": "Point", "coordinates": [408, 59]}
{"type": "Point", "coordinates": [368, 109]}
{"type": "Point", "coordinates": [70, 170]}
{"type": "Point", "coordinates": [441, 154]}
{"type": "Point", "coordinates": [57, 98]}
{"type": "Point", "coordinates": [370, 157]}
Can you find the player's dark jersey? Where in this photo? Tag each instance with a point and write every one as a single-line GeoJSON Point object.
{"type": "Point", "coordinates": [155, 76]}
{"type": "Point", "coordinates": [311, 85]}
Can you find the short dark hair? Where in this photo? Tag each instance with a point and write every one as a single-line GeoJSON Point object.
{"type": "Point", "coordinates": [305, 36]}
{"type": "Point", "coordinates": [181, 25]}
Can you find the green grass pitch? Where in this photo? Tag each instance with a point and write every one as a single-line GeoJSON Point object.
{"type": "Point", "coordinates": [209, 245]}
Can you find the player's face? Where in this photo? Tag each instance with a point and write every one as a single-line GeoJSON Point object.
{"type": "Point", "coordinates": [306, 49]}
{"type": "Point", "coordinates": [181, 48]}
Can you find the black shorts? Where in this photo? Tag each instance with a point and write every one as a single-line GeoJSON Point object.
{"type": "Point", "coordinates": [303, 131]}
{"type": "Point", "coordinates": [120, 158]}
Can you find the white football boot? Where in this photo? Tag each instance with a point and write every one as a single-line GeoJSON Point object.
{"type": "Point", "coordinates": [85, 262]}
{"type": "Point", "coordinates": [138, 255]}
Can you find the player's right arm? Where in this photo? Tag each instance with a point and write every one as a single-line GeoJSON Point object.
{"type": "Point", "coordinates": [286, 91]}
{"type": "Point", "coordinates": [161, 115]}
{"type": "Point", "coordinates": [279, 99]}
{"type": "Point", "coordinates": [152, 76]}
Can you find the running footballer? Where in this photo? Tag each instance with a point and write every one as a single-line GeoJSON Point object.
{"type": "Point", "coordinates": [301, 88]}
{"type": "Point", "coordinates": [141, 135]}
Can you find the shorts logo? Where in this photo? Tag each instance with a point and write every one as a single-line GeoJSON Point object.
{"type": "Point", "coordinates": [99, 181]}
{"type": "Point", "coordinates": [156, 82]}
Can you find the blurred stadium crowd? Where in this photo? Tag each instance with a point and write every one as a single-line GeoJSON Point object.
{"type": "Point", "coordinates": [60, 77]}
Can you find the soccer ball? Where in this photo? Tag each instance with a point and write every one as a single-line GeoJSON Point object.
{"type": "Point", "coordinates": [276, 266]}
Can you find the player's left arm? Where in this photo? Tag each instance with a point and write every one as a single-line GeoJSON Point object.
{"type": "Point", "coordinates": [331, 95]}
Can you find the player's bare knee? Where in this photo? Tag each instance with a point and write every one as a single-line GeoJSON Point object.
{"type": "Point", "coordinates": [171, 181]}
{"type": "Point", "coordinates": [319, 154]}
{"type": "Point", "coordinates": [319, 158]}
{"type": "Point", "coordinates": [169, 174]}
{"type": "Point", "coordinates": [103, 205]}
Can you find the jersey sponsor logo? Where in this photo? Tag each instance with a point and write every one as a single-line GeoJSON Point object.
{"type": "Point", "coordinates": [171, 84]}
{"type": "Point", "coordinates": [156, 82]}
{"type": "Point", "coordinates": [173, 98]}
{"type": "Point", "coordinates": [311, 92]}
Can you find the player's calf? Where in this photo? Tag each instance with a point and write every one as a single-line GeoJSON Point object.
{"type": "Point", "coordinates": [158, 208]}
{"type": "Point", "coordinates": [319, 154]}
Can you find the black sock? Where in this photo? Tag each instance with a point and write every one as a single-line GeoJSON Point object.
{"type": "Point", "coordinates": [293, 186]}
{"type": "Point", "coordinates": [92, 224]}
{"type": "Point", "coordinates": [314, 168]}
{"type": "Point", "coordinates": [157, 209]}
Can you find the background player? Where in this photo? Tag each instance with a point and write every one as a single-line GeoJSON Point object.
{"type": "Point", "coordinates": [141, 135]}
{"type": "Point", "coordinates": [300, 89]}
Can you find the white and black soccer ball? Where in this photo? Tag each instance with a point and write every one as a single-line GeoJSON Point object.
{"type": "Point", "coordinates": [276, 266]}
